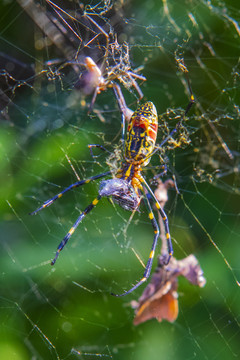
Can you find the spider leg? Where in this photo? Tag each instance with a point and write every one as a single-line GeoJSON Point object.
{"type": "Point", "coordinates": [191, 102]}
{"type": "Point", "coordinates": [122, 107]}
{"type": "Point", "coordinates": [121, 102]}
{"type": "Point", "coordinates": [192, 99]}
{"type": "Point", "coordinates": [73, 228]}
{"type": "Point", "coordinates": [140, 77]}
{"type": "Point", "coordinates": [157, 176]}
{"type": "Point", "coordinates": [165, 221]}
{"type": "Point", "coordinates": [99, 147]}
{"type": "Point", "coordinates": [78, 183]}
{"type": "Point", "coordinates": [189, 105]}
{"type": "Point", "coordinates": [125, 111]}
{"type": "Point", "coordinates": [136, 86]}
{"type": "Point", "coordinates": [93, 100]}
{"type": "Point", "coordinates": [88, 16]}
{"type": "Point", "coordinates": [151, 256]}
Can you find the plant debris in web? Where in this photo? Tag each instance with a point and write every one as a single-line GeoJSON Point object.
{"type": "Point", "coordinates": [160, 298]}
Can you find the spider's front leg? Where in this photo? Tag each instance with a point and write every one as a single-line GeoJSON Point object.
{"type": "Point", "coordinates": [73, 186]}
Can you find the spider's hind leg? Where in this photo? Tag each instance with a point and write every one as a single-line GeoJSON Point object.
{"type": "Point", "coordinates": [165, 221]}
{"type": "Point", "coordinates": [148, 267]}
{"type": "Point", "coordinates": [73, 228]}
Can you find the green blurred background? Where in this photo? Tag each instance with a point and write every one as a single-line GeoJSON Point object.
{"type": "Point", "coordinates": [66, 311]}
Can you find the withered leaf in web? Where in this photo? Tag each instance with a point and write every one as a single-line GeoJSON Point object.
{"type": "Point", "coordinates": [160, 298]}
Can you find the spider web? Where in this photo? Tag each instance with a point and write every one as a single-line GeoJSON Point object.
{"type": "Point", "coordinates": [66, 311]}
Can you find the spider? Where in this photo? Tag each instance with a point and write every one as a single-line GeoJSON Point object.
{"type": "Point", "coordinates": [116, 62]}
{"type": "Point", "coordinates": [93, 80]}
{"type": "Point", "coordinates": [128, 186]}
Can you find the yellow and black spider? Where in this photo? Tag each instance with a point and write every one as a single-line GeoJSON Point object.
{"type": "Point", "coordinates": [128, 186]}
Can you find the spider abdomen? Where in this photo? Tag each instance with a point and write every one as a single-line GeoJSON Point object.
{"type": "Point", "coordinates": [142, 134]}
